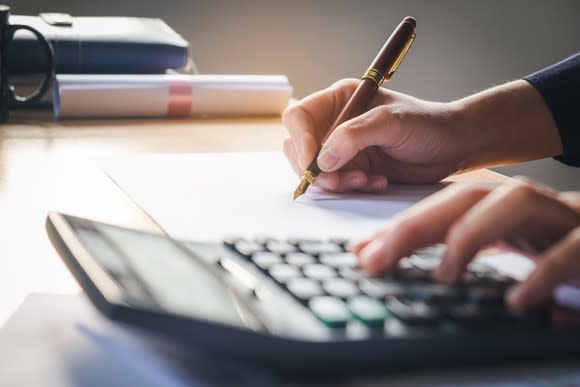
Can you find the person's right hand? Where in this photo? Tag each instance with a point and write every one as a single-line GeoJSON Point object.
{"type": "Point", "coordinates": [403, 139]}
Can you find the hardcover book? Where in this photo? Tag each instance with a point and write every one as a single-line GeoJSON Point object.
{"type": "Point", "coordinates": [98, 45]}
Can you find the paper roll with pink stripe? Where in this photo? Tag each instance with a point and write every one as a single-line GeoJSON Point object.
{"type": "Point", "coordinates": [169, 95]}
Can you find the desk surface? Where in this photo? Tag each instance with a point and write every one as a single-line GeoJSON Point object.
{"type": "Point", "coordinates": [49, 165]}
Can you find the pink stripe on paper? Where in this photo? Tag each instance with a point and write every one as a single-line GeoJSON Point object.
{"type": "Point", "coordinates": [180, 97]}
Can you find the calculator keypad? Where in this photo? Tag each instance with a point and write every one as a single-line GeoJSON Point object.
{"type": "Point", "coordinates": [326, 279]}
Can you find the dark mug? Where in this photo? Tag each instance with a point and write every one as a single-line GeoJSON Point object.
{"type": "Point", "coordinates": [7, 94]}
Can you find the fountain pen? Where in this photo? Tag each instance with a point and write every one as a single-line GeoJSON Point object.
{"type": "Point", "coordinates": [382, 69]}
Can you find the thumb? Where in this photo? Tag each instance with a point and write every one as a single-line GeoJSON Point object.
{"type": "Point", "coordinates": [373, 128]}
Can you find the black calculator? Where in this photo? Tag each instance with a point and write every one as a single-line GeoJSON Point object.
{"type": "Point", "coordinates": [304, 305]}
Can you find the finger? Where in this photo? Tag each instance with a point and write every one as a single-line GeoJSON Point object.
{"type": "Point", "coordinates": [308, 120]}
{"type": "Point", "coordinates": [290, 152]}
{"type": "Point", "coordinates": [572, 199]}
{"type": "Point", "coordinates": [546, 190]}
{"type": "Point", "coordinates": [376, 127]}
{"type": "Point", "coordinates": [557, 265]}
{"type": "Point", "coordinates": [499, 215]}
{"type": "Point", "coordinates": [422, 225]}
{"type": "Point", "coordinates": [348, 181]}
{"type": "Point", "coordinates": [375, 184]}
{"type": "Point", "coordinates": [329, 182]}
{"type": "Point", "coordinates": [341, 182]}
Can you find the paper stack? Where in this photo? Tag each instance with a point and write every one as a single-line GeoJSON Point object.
{"type": "Point", "coordinates": [169, 95]}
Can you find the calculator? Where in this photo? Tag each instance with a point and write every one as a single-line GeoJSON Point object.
{"type": "Point", "coordinates": [304, 306]}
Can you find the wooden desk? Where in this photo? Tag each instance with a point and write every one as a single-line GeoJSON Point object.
{"type": "Point", "coordinates": [47, 165]}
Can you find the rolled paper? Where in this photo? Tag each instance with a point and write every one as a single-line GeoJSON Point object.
{"type": "Point", "coordinates": [169, 95]}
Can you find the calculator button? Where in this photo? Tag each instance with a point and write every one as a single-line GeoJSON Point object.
{"type": "Point", "coordinates": [340, 287]}
{"type": "Point", "coordinates": [339, 259]}
{"type": "Point", "coordinates": [413, 312]}
{"type": "Point", "coordinates": [283, 273]}
{"type": "Point", "coordinates": [330, 310]}
{"type": "Point", "coordinates": [532, 319]}
{"type": "Point", "coordinates": [264, 259]}
{"type": "Point", "coordinates": [470, 313]}
{"type": "Point", "coordinates": [435, 251]}
{"type": "Point", "coordinates": [247, 248]}
{"type": "Point", "coordinates": [352, 273]}
{"type": "Point", "coordinates": [299, 259]}
{"type": "Point", "coordinates": [319, 247]}
{"type": "Point", "coordinates": [339, 241]}
{"type": "Point", "coordinates": [231, 240]}
{"type": "Point", "coordinates": [368, 310]}
{"type": "Point", "coordinates": [296, 241]}
{"type": "Point", "coordinates": [498, 279]}
{"type": "Point", "coordinates": [280, 247]}
{"type": "Point", "coordinates": [413, 274]}
{"type": "Point", "coordinates": [424, 262]}
{"type": "Point", "coordinates": [486, 294]}
{"type": "Point", "coordinates": [304, 288]}
{"type": "Point", "coordinates": [263, 239]}
{"type": "Point", "coordinates": [481, 269]}
{"type": "Point", "coordinates": [434, 292]}
{"type": "Point", "coordinates": [380, 288]}
{"type": "Point", "coordinates": [318, 271]}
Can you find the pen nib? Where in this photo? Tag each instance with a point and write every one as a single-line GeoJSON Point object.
{"type": "Point", "coordinates": [302, 187]}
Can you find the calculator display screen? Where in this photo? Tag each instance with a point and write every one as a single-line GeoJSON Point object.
{"type": "Point", "coordinates": [153, 268]}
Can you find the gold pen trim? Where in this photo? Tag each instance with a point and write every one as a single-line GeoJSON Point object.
{"type": "Point", "coordinates": [374, 75]}
{"type": "Point", "coordinates": [309, 176]}
{"type": "Point", "coordinates": [400, 58]}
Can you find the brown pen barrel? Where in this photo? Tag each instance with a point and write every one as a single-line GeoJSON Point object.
{"type": "Point", "coordinates": [381, 68]}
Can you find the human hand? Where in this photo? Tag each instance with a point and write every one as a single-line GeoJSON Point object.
{"type": "Point", "coordinates": [400, 139]}
{"type": "Point", "coordinates": [407, 140]}
{"type": "Point", "coordinates": [468, 218]}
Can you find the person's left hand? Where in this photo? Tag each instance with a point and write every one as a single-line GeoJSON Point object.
{"type": "Point", "coordinates": [468, 218]}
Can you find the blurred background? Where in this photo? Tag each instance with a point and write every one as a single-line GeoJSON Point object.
{"type": "Point", "coordinates": [462, 46]}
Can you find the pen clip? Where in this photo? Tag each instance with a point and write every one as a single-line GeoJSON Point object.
{"type": "Point", "coordinates": [396, 64]}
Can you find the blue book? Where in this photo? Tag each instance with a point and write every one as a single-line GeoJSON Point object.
{"type": "Point", "coordinates": [98, 45]}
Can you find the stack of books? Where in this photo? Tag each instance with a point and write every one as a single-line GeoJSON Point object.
{"type": "Point", "coordinates": [131, 67]}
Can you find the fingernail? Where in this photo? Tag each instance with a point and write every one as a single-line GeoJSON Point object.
{"type": "Point", "coordinates": [327, 159]}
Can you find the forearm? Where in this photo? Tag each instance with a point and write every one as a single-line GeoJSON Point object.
{"type": "Point", "coordinates": [506, 124]}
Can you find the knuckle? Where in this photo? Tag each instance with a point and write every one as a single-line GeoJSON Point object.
{"type": "Point", "coordinates": [290, 112]}
{"type": "Point", "coordinates": [345, 83]}
{"type": "Point", "coordinates": [523, 192]}
{"type": "Point", "coordinates": [574, 237]}
{"type": "Point", "coordinates": [470, 191]}
{"type": "Point", "coordinates": [395, 114]}
{"type": "Point", "coordinates": [347, 131]}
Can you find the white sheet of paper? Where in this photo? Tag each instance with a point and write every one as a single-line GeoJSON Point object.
{"type": "Point", "coordinates": [207, 196]}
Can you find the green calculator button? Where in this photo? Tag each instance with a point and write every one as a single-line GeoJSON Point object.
{"type": "Point", "coordinates": [368, 310]}
{"type": "Point", "coordinates": [330, 310]}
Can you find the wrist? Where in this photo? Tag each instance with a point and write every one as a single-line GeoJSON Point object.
{"type": "Point", "coordinates": [505, 124]}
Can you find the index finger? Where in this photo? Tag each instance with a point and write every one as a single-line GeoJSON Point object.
{"type": "Point", "coordinates": [422, 225]}
{"type": "Point", "coordinates": [308, 120]}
